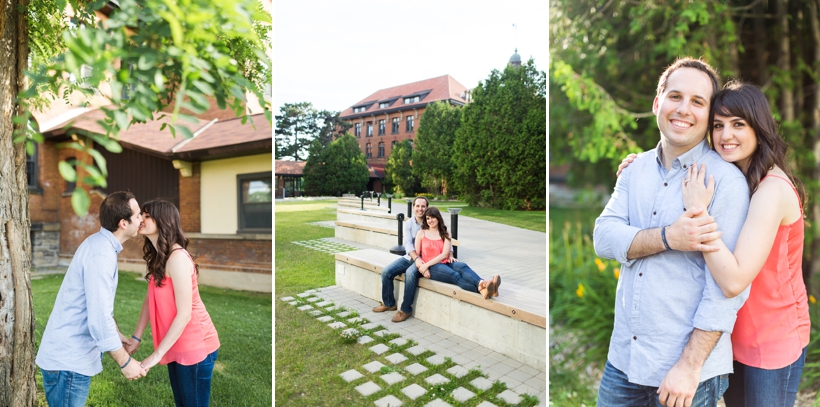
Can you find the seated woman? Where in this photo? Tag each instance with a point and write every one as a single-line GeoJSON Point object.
{"type": "Point", "coordinates": [433, 244]}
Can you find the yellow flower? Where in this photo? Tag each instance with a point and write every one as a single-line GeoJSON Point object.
{"type": "Point", "coordinates": [617, 273]}
{"type": "Point", "coordinates": [812, 299]}
{"type": "Point", "coordinates": [580, 291]}
{"type": "Point", "coordinates": [601, 265]}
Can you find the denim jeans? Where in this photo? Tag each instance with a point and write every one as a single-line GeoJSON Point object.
{"type": "Point", "coordinates": [192, 384]}
{"type": "Point", "coordinates": [411, 282]}
{"type": "Point", "coordinates": [752, 386]}
{"type": "Point", "coordinates": [65, 389]}
{"type": "Point", "coordinates": [467, 280]}
{"type": "Point", "coordinates": [464, 269]}
{"type": "Point", "coordinates": [617, 391]}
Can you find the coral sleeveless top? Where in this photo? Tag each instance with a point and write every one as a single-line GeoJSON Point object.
{"type": "Point", "coordinates": [431, 248]}
{"type": "Point", "coordinates": [772, 327]}
{"type": "Point", "coordinates": [198, 339]}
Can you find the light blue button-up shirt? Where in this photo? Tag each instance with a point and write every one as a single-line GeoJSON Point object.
{"type": "Point", "coordinates": [661, 298]}
{"type": "Point", "coordinates": [81, 326]}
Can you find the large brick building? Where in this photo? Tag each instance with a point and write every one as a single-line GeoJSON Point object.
{"type": "Point", "coordinates": [390, 116]}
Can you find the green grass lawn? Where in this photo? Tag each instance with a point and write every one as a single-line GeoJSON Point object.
{"type": "Point", "coordinates": [309, 355]}
{"type": "Point", "coordinates": [242, 376]}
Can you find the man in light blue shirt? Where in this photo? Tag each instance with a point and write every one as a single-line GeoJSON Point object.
{"type": "Point", "coordinates": [81, 326]}
{"type": "Point", "coordinates": [668, 344]}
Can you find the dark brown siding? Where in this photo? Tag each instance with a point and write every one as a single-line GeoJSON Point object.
{"type": "Point", "coordinates": [146, 176]}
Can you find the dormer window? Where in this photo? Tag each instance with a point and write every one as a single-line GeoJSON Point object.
{"type": "Point", "coordinates": [383, 105]}
{"type": "Point", "coordinates": [412, 99]}
{"type": "Point", "coordinates": [359, 109]}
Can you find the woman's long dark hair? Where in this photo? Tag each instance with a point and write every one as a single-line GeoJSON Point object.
{"type": "Point", "coordinates": [442, 229]}
{"type": "Point", "coordinates": [750, 104]}
{"type": "Point", "coordinates": [166, 217]}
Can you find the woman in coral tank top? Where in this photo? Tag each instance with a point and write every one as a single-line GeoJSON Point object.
{"type": "Point", "coordinates": [184, 336]}
{"type": "Point", "coordinates": [433, 246]}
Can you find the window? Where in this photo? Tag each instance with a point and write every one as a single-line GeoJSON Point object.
{"type": "Point", "coordinates": [412, 99]}
{"type": "Point", "coordinates": [31, 167]}
{"type": "Point", "coordinates": [381, 127]}
{"type": "Point", "coordinates": [359, 109]}
{"type": "Point", "coordinates": [369, 129]}
{"type": "Point", "coordinates": [358, 130]}
{"type": "Point", "coordinates": [382, 105]}
{"type": "Point", "coordinates": [409, 124]}
{"type": "Point", "coordinates": [70, 185]}
{"type": "Point", "coordinates": [393, 145]}
{"type": "Point", "coordinates": [369, 151]}
{"type": "Point", "coordinates": [381, 149]}
{"type": "Point", "coordinates": [395, 125]}
{"type": "Point", "coordinates": [255, 202]}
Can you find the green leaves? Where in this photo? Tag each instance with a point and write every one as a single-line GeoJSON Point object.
{"type": "Point", "coordinates": [336, 169]}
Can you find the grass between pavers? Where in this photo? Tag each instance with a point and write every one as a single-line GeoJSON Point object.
{"type": "Point", "coordinates": [242, 375]}
{"type": "Point", "coordinates": [338, 354]}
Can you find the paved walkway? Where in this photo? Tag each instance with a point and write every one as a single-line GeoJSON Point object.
{"type": "Point", "coordinates": [519, 378]}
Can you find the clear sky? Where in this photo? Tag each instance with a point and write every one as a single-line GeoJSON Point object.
{"type": "Point", "coordinates": [335, 53]}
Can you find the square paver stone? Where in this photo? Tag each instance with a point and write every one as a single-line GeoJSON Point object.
{"type": "Point", "coordinates": [396, 358]}
{"type": "Point", "coordinates": [293, 302]}
{"type": "Point", "coordinates": [417, 350]}
{"type": "Point", "coordinates": [486, 403]}
{"type": "Point", "coordinates": [305, 307]}
{"type": "Point", "coordinates": [461, 394]}
{"type": "Point", "coordinates": [343, 314]}
{"type": "Point", "coordinates": [303, 295]}
{"type": "Point", "coordinates": [399, 342]}
{"type": "Point", "coordinates": [436, 379]}
{"type": "Point", "coordinates": [438, 403]}
{"type": "Point", "coordinates": [416, 368]}
{"type": "Point", "coordinates": [310, 291]}
{"type": "Point", "coordinates": [355, 320]}
{"type": "Point", "coordinates": [435, 360]}
{"type": "Point", "coordinates": [368, 388]}
{"type": "Point", "coordinates": [369, 325]}
{"type": "Point", "coordinates": [379, 349]}
{"type": "Point", "coordinates": [458, 371]}
{"type": "Point", "coordinates": [314, 299]}
{"type": "Point", "coordinates": [373, 366]}
{"type": "Point", "coordinates": [388, 401]}
{"type": "Point", "coordinates": [287, 299]}
{"type": "Point", "coordinates": [413, 391]}
{"type": "Point", "coordinates": [382, 333]}
{"type": "Point", "coordinates": [351, 375]}
{"type": "Point", "coordinates": [315, 312]}
{"type": "Point", "coordinates": [363, 340]}
{"type": "Point", "coordinates": [350, 332]}
{"type": "Point", "coordinates": [324, 303]}
{"type": "Point", "coordinates": [326, 318]}
{"type": "Point", "coordinates": [481, 383]}
{"type": "Point", "coordinates": [392, 377]}
{"type": "Point", "coordinates": [336, 325]}
{"type": "Point", "coordinates": [510, 397]}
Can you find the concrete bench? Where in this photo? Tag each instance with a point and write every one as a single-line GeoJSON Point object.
{"type": "Point", "coordinates": [514, 323]}
{"type": "Point", "coordinates": [346, 214]}
{"type": "Point", "coordinates": [371, 233]}
{"type": "Point", "coordinates": [368, 206]}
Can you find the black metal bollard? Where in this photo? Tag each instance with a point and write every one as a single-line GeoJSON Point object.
{"type": "Point", "coordinates": [389, 203]}
{"type": "Point", "coordinates": [454, 226]}
{"type": "Point", "coordinates": [399, 248]}
{"type": "Point", "coordinates": [409, 207]}
{"type": "Point", "coordinates": [362, 200]}
{"type": "Point", "coordinates": [378, 199]}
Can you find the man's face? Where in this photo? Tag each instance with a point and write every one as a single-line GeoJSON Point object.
{"type": "Point", "coordinates": [132, 228]}
{"type": "Point", "coordinates": [683, 109]}
{"type": "Point", "coordinates": [419, 207]}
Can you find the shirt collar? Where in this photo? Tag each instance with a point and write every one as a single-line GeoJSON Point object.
{"type": "Point", "coordinates": [694, 154]}
{"type": "Point", "coordinates": [117, 246]}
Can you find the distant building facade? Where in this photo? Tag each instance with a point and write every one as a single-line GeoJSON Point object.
{"type": "Point", "coordinates": [392, 115]}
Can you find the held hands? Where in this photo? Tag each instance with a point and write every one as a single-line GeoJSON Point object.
{"type": "Point", "coordinates": [131, 346]}
{"type": "Point", "coordinates": [679, 385]}
{"type": "Point", "coordinates": [133, 370]}
{"type": "Point", "coordinates": [696, 194]}
{"type": "Point", "coordinates": [692, 232]}
{"type": "Point", "coordinates": [150, 361]}
{"type": "Point", "coordinates": [625, 163]}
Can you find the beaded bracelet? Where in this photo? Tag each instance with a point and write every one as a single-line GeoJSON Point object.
{"type": "Point", "coordinates": [135, 338]}
{"type": "Point", "coordinates": [663, 237]}
{"type": "Point", "coordinates": [126, 362]}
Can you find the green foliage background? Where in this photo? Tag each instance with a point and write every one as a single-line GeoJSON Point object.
{"type": "Point", "coordinates": [340, 168]}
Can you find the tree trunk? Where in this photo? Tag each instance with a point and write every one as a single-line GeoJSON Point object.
{"type": "Point", "coordinates": [784, 59]}
{"type": "Point", "coordinates": [811, 263]}
{"type": "Point", "coordinates": [17, 387]}
{"type": "Point", "coordinates": [760, 31]}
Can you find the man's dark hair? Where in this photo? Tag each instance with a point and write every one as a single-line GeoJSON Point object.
{"type": "Point", "coordinates": [427, 201]}
{"type": "Point", "coordinates": [689, 62]}
{"type": "Point", "coordinates": [115, 207]}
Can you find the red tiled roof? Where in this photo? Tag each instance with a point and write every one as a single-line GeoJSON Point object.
{"type": "Point", "coordinates": [288, 167]}
{"type": "Point", "coordinates": [230, 132]}
{"type": "Point", "coordinates": [441, 88]}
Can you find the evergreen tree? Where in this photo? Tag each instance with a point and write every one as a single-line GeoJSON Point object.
{"type": "Point", "coordinates": [432, 158]}
{"type": "Point", "coordinates": [399, 169]}
{"type": "Point", "coordinates": [336, 169]}
{"type": "Point", "coordinates": [500, 148]}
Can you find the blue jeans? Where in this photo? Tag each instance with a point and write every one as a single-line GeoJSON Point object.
{"type": "Point", "coordinates": [466, 278]}
{"type": "Point", "coordinates": [65, 389]}
{"type": "Point", "coordinates": [411, 282]}
{"type": "Point", "coordinates": [617, 391]}
{"type": "Point", "coordinates": [753, 386]}
{"type": "Point", "coordinates": [192, 384]}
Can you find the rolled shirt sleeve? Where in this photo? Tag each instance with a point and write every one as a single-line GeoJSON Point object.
{"type": "Point", "coordinates": [100, 286]}
{"type": "Point", "coordinates": [409, 236]}
{"type": "Point", "coordinates": [613, 234]}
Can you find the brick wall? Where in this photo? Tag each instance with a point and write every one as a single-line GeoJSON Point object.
{"type": "Point", "coordinates": [229, 254]}
{"type": "Point", "coordinates": [45, 206]}
{"type": "Point", "coordinates": [190, 208]}
{"type": "Point", "coordinates": [388, 136]}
